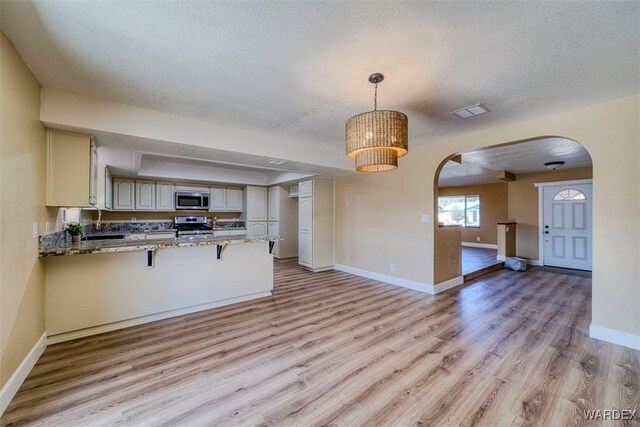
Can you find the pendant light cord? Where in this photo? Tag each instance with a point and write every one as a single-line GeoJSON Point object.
{"type": "Point", "coordinates": [375, 98]}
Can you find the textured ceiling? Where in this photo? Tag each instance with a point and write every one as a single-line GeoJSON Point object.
{"type": "Point", "coordinates": [480, 166]}
{"type": "Point", "coordinates": [300, 68]}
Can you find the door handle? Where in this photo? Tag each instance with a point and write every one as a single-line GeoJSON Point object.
{"type": "Point", "coordinates": [546, 226]}
{"type": "Point", "coordinates": [546, 232]}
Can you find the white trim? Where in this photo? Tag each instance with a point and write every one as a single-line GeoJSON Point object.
{"type": "Point", "coordinates": [392, 280]}
{"type": "Point", "coordinates": [479, 245]}
{"type": "Point", "coordinates": [67, 336]}
{"type": "Point", "coordinates": [616, 337]}
{"type": "Point", "coordinates": [573, 181]}
{"type": "Point", "coordinates": [17, 378]}
{"type": "Point", "coordinates": [449, 284]}
{"type": "Point", "coordinates": [501, 258]}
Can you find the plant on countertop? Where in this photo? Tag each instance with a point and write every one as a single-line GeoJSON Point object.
{"type": "Point", "coordinates": [74, 228]}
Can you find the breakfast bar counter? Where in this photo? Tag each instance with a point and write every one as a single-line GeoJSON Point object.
{"type": "Point", "coordinates": [121, 283]}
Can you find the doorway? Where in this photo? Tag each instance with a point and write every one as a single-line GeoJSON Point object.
{"type": "Point", "coordinates": [566, 225]}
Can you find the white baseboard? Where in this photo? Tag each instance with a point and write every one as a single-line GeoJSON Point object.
{"type": "Point", "coordinates": [68, 336]}
{"type": "Point", "coordinates": [479, 245]}
{"type": "Point", "coordinates": [624, 339]}
{"type": "Point", "coordinates": [449, 284]}
{"type": "Point", "coordinates": [392, 280]}
{"type": "Point", "coordinates": [11, 387]}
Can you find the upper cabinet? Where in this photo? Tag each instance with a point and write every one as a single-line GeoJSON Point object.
{"type": "Point", "coordinates": [218, 201]}
{"type": "Point", "coordinates": [165, 195]}
{"type": "Point", "coordinates": [305, 189]}
{"type": "Point", "coordinates": [256, 205]}
{"type": "Point", "coordinates": [124, 191]}
{"type": "Point", "coordinates": [108, 189]}
{"type": "Point", "coordinates": [234, 199]}
{"type": "Point", "coordinates": [226, 199]}
{"type": "Point", "coordinates": [72, 169]}
{"type": "Point", "coordinates": [145, 195]}
{"type": "Point", "coordinates": [274, 206]}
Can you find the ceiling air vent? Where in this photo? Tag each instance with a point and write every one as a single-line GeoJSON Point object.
{"type": "Point", "coordinates": [471, 111]}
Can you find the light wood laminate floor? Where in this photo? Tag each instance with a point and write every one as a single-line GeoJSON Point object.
{"type": "Point", "coordinates": [335, 349]}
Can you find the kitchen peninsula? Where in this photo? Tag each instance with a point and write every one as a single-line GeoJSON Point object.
{"type": "Point", "coordinates": [102, 285]}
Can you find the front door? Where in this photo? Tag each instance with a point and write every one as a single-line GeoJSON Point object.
{"type": "Point", "coordinates": [567, 226]}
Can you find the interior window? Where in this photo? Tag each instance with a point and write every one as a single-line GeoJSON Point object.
{"type": "Point", "coordinates": [459, 210]}
{"type": "Point", "coordinates": [569, 194]}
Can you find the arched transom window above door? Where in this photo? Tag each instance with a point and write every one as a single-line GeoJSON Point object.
{"type": "Point", "coordinates": [569, 194]}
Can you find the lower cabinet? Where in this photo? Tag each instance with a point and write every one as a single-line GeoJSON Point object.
{"type": "Point", "coordinates": [256, 229]}
{"type": "Point", "coordinates": [274, 231]}
{"type": "Point", "coordinates": [305, 249]}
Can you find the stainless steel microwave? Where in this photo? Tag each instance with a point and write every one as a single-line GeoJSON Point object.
{"type": "Point", "coordinates": [188, 200]}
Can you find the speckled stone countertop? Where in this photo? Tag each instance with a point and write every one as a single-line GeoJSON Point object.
{"type": "Point", "coordinates": [126, 245]}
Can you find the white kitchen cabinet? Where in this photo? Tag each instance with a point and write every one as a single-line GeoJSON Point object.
{"type": "Point", "coordinates": [316, 225]}
{"type": "Point", "coordinates": [218, 199]}
{"type": "Point", "coordinates": [165, 194]}
{"type": "Point", "coordinates": [234, 199]}
{"type": "Point", "coordinates": [305, 215]}
{"type": "Point", "coordinates": [226, 199]}
{"type": "Point", "coordinates": [72, 169]}
{"type": "Point", "coordinates": [145, 195]}
{"type": "Point", "coordinates": [108, 189]}
{"type": "Point", "coordinates": [305, 250]}
{"type": "Point", "coordinates": [256, 229]}
{"type": "Point", "coordinates": [274, 206]}
{"type": "Point", "coordinates": [256, 204]}
{"type": "Point", "coordinates": [273, 231]}
{"type": "Point", "coordinates": [305, 189]}
{"type": "Point", "coordinates": [124, 191]}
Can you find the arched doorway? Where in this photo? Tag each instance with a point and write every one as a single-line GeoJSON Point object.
{"type": "Point", "coordinates": [488, 200]}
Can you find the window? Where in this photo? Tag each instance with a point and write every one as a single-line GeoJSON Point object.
{"type": "Point", "coordinates": [459, 210]}
{"type": "Point", "coordinates": [569, 194]}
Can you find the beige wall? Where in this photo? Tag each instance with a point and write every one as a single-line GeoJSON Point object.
{"type": "Point", "coordinates": [523, 205]}
{"type": "Point", "coordinates": [378, 215]}
{"type": "Point", "coordinates": [493, 209]}
{"type": "Point", "coordinates": [22, 183]}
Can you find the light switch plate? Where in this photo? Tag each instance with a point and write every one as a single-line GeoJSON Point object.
{"type": "Point", "coordinates": [424, 218]}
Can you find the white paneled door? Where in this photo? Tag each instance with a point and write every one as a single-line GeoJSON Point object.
{"type": "Point", "coordinates": [567, 225]}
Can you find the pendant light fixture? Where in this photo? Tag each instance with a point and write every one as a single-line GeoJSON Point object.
{"type": "Point", "coordinates": [377, 138]}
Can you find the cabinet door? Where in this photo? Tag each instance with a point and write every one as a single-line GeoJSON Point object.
{"type": "Point", "coordinates": [256, 204]}
{"type": "Point", "coordinates": [218, 202]}
{"type": "Point", "coordinates": [274, 231]}
{"type": "Point", "coordinates": [274, 205]}
{"type": "Point", "coordinates": [305, 249]}
{"type": "Point", "coordinates": [124, 194]}
{"type": "Point", "coordinates": [69, 172]}
{"type": "Point", "coordinates": [256, 229]}
{"type": "Point", "coordinates": [93, 179]}
{"type": "Point", "coordinates": [145, 195]}
{"type": "Point", "coordinates": [305, 189]}
{"type": "Point", "coordinates": [165, 196]}
{"type": "Point", "coordinates": [234, 199]}
{"type": "Point", "coordinates": [108, 189]}
{"type": "Point", "coordinates": [305, 215]}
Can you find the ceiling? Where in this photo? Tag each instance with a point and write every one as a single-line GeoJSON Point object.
{"type": "Point", "coordinates": [300, 68]}
{"type": "Point", "coordinates": [480, 166]}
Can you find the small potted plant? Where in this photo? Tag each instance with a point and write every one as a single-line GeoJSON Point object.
{"type": "Point", "coordinates": [75, 229]}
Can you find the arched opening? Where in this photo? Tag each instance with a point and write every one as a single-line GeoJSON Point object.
{"type": "Point", "coordinates": [494, 203]}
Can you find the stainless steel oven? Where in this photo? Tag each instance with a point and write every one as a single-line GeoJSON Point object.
{"type": "Point", "coordinates": [188, 200]}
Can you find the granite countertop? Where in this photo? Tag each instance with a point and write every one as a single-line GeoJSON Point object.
{"type": "Point", "coordinates": [126, 245]}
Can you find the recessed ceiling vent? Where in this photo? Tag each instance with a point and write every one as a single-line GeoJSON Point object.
{"type": "Point", "coordinates": [276, 162]}
{"type": "Point", "coordinates": [471, 111]}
